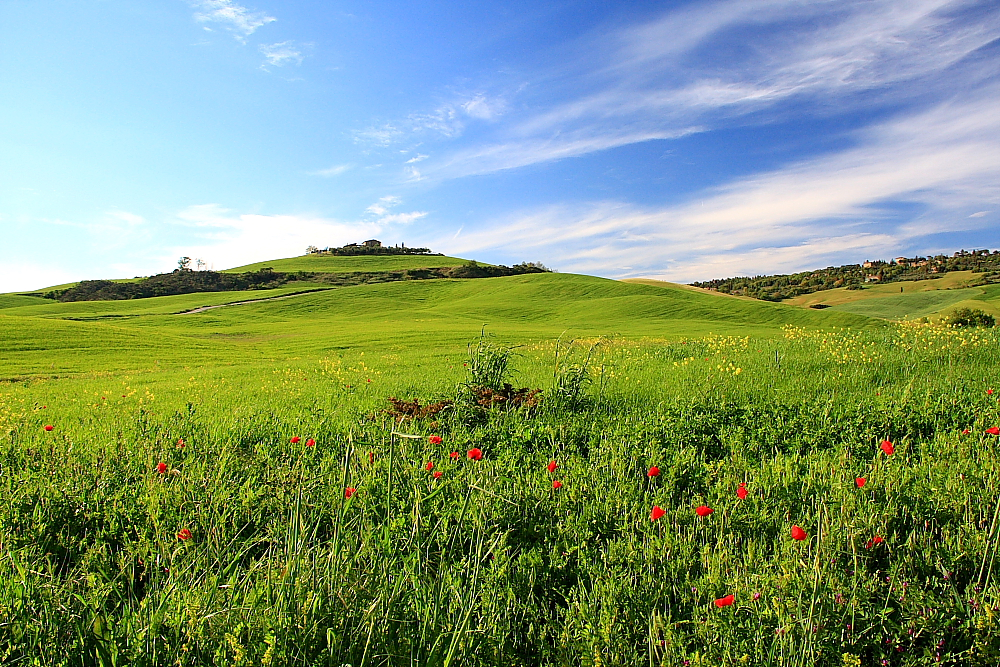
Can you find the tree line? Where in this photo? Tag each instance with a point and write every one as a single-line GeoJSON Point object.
{"type": "Point", "coordinates": [186, 281]}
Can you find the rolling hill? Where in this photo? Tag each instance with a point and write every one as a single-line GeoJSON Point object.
{"type": "Point", "coordinates": [439, 313]}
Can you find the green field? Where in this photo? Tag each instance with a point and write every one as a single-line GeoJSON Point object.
{"type": "Point", "coordinates": [246, 550]}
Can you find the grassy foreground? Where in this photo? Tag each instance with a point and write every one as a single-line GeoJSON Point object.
{"type": "Point", "coordinates": [244, 547]}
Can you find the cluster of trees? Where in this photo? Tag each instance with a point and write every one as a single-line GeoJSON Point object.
{"type": "Point", "coordinates": [854, 276]}
{"type": "Point", "coordinates": [372, 247]}
{"type": "Point", "coordinates": [179, 281]}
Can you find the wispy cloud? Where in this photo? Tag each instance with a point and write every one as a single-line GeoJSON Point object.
{"type": "Point", "coordinates": [697, 68]}
{"type": "Point", "coordinates": [944, 162]}
{"type": "Point", "coordinates": [380, 211]}
{"type": "Point", "coordinates": [335, 170]}
{"type": "Point", "coordinates": [379, 136]}
{"type": "Point", "coordinates": [282, 53]}
{"type": "Point", "coordinates": [236, 18]}
{"type": "Point", "coordinates": [446, 121]}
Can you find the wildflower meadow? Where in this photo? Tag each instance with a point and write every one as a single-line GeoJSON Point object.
{"type": "Point", "coordinates": [813, 497]}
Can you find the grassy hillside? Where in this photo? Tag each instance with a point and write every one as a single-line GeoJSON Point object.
{"type": "Point", "coordinates": [411, 315]}
{"type": "Point", "coordinates": [913, 305]}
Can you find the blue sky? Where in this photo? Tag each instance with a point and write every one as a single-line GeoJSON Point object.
{"type": "Point", "coordinates": [675, 140]}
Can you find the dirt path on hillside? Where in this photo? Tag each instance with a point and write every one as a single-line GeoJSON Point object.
{"type": "Point", "coordinates": [202, 309]}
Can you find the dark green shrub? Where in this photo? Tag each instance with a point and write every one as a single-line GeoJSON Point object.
{"type": "Point", "coordinates": [970, 317]}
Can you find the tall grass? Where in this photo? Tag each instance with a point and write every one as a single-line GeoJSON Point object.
{"type": "Point", "coordinates": [489, 564]}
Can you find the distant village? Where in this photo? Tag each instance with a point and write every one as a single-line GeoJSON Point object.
{"type": "Point", "coordinates": [856, 276]}
{"type": "Point", "coordinates": [934, 264]}
{"type": "Point", "coordinates": [369, 247]}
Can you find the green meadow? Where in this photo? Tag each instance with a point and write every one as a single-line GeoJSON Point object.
{"type": "Point", "coordinates": [234, 487]}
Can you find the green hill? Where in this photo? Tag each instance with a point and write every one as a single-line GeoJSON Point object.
{"type": "Point", "coordinates": [412, 315]}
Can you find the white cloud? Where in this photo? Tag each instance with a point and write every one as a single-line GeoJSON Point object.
{"type": "Point", "coordinates": [282, 53]}
{"type": "Point", "coordinates": [380, 211]}
{"type": "Point", "coordinates": [335, 170]}
{"type": "Point", "coordinates": [236, 18]}
{"type": "Point", "coordinates": [417, 158]}
{"type": "Point", "coordinates": [377, 136]}
{"type": "Point", "coordinates": [945, 161]}
{"type": "Point", "coordinates": [20, 276]}
{"type": "Point", "coordinates": [979, 214]}
{"type": "Point", "coordinates": [228, 239]}
{"type": "Point", "coordinates": [484, 108]}
{"type": "Point", "coordinates": [401, 218]}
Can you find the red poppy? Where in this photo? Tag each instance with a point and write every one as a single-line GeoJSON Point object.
{"type": "Point", "coordinates": [184, 534]}
{"type": "Point", "coordinates": [434, 439]}
{"type": "Point", "coordinates": [310, 443]}
{"type": "Point", "coordinates": [993, 430]}
{"type": "Point", "coordinates": [429, 466]}
{"type": "Point", "coordinates": [180, 443]}
{"type": "Point", "coordinates": [702, 510]}
{"type": "Point", "coordinates": [887, 447]}
{"type": "Point", "coordinates": [965, 431]}
{"type": "Point", "coordinates": [557, 484]}
{"type": "Point", "coordinates": [989, 392]}
{"type": "Point", "coordinates": [371, 457]}
{"type": "Point", "coordinates": [653, 472]}
{"type": "Point", "coordinates": [475, 454]}
{"type": "Point", "coordinates": [454, 455]}
{"type": "Point", "coordinates": [656, 513]}
{"type": "Point", "coordinates": [349, 491]}
{"type": "Point", "coordinates": [798, 533]}
{"type": "Point", "coordinates": [295, 439]}
{"type": "Point", "coordinates": [437, 474]}
{"type": "Point", "coordinates": [741, 492]}
{"type": "Point", "coordinates": [860, 481]}
{"type": "Point", "coordinates": [161, 468]}
{"type": "Point", "coordinates": [725, 602]}
{"type": "Point", "coordinates": [49, 427]}
{"type": "Point", "coordinates": [872, 542]}
{"type": "Point", "coordinates": [551, 467]}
